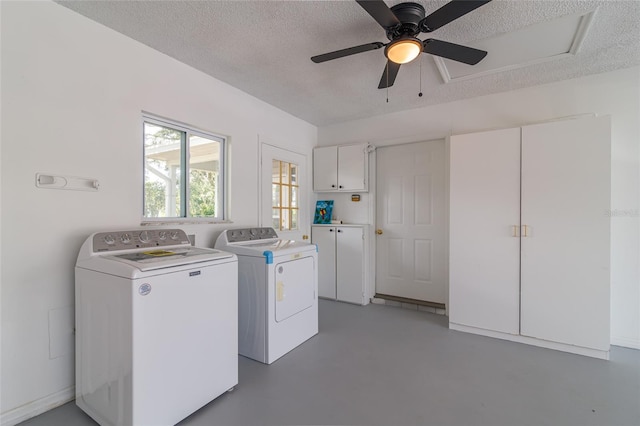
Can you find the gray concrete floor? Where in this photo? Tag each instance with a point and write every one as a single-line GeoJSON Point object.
{"type": "Point", "coordinates": [381, 365]}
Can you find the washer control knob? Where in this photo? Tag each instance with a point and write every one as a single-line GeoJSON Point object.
{"type": "Point", "coordinates": [162, 235]}
{"type": "Point", "coordinates": [173, 235]}
{"type": "Point", "coordinates": [125, 238]}
{"type": "Point", "coordinates": [109, 239]}
{"type": "Point", "coordinates": [144, 237]}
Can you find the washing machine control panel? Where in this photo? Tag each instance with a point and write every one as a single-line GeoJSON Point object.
{"type": "Point", "coordinates": [148, 238]}
{"type": "Point", "coordinates": [249, 234]}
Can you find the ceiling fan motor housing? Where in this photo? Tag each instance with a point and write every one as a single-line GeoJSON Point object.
{"type": "Point", "coordinates": [410, 16]}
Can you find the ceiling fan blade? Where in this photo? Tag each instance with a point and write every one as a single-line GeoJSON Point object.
{"type": "Point", "coordinates": [389, 75]}
{"type": "Point", "coordinates": [455, 52]}
{"type": "Point", "coordinates": [346, 52]}
{"type": "Point", "coordinates": [379, 11]}
{"type": "Point", "coordinates": [450, 12]}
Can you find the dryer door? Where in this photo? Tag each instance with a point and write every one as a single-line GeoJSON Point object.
{"type": "Point", "coordinates": [294, 284]}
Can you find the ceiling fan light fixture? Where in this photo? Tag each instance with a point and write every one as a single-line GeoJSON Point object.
{"type": "Point", "coordinates": [403, 50]}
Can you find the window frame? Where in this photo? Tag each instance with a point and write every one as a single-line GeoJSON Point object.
{"type": "Point", "coordinates": [222, 179]}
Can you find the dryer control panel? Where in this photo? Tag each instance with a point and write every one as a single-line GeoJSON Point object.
{"type": "Point", "coordinates": [249, 234]}
{"type": "Point", "coordinates": [146, 238]}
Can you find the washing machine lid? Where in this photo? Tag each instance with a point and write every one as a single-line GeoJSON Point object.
{"type": "Point", "coordinates": [148, 260]}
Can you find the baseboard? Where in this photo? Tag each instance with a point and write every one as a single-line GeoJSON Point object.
{"type": "Point", "coordinates": [37, 407]}
{"type": "Point", "coordinates": [578, 350]}
{"type": "Point", "coordinates": [625, 342]}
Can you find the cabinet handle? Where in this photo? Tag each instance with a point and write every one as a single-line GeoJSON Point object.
{"type": "Point", "coordinates": [339, 230]}
{"type": "Point", "coordinates": [515, 231]}
{"type": "Point", "coordinates": [525, 230]}
{"type": "Point", "coordinates": [333, 186]}
{"type": "Point", "coordinates": [330, 229]}
{"type": "Point", "coordinates": [340, 186]}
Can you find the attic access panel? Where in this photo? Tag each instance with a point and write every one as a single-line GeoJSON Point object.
{"type": "Point", "coordinates": [542, 42]}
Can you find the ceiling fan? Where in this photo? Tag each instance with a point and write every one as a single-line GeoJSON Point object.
{"type": "Point", "coordinates": [403, 23]}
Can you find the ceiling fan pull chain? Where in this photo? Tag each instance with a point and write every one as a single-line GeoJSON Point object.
{"type": "Point", "coordinates": [387, 81]}
{"type": "Point", "coordinates": [420, 92]}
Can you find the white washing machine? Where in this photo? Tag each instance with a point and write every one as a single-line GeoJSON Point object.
{"type": "Point", "coordinates": [277, 291]}
{"type": "Point", "coordinates": [156, 326]}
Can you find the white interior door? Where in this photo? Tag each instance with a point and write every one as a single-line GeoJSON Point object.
{"type": "Point", "coordinates": [411, 255]}
{"type": "Point", "coordinates": [283, 199]}
{"type": "Point", "coordinates": [566, 187]}
{"type": "Point", "coordinates": [484, 243]}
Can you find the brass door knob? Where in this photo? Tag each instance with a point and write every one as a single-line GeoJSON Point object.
{"type": "Point", "coordinates": [305, 237]}
{"type": "Point", "coordinates": [379, 231]}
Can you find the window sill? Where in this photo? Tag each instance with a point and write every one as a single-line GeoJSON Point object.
{"type": "Point", "coordinates": [182, 221]}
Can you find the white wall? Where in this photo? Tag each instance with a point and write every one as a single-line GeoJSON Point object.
{"type": "Point", "coordinates": [72, 96]}
{"type": "Point", "coordinates": [615, 93]}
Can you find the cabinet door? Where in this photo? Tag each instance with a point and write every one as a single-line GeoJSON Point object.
{"type": "Point", "coordinates": [484, 213]}
{"type": "Point", "coordinates": [566, 184]}
{"type": "Point", "coordinates": [350, 264]}
{"type": "Point", "coordinates": [352, 168]}
{"type": "Point", "coordinates": [325, 238]}
{"type": "Point", "coordinates": [325, 168]}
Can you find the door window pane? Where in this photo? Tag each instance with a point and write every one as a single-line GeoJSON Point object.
{"type": "Point", "coordinates": [284, 195]}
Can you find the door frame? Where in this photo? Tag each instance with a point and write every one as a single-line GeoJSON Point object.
{"type": "Point", "coordinates": [304, 210]}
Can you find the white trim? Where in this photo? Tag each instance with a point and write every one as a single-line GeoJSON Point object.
{"type": "Point", "coordinates": [37, 407]}
{"type": "Point", "coordinates": [579, 350]}
{"type": "Point", "coordinates": [626, 342]}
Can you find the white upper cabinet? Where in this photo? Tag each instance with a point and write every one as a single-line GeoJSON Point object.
{"type": "Point", "coordinates": [340, 168]}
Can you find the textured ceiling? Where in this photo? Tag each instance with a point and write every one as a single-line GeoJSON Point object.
{"type": "Point", "coordinates": [263, 48]}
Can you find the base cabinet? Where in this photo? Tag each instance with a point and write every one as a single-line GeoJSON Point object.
{"type": "Point", "coordinates": [341, 262]}
{"type": "Point", "coordinates": [529, 236]}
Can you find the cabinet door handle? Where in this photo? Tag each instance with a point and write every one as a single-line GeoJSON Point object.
{"type": "Point", "coordinates": [339, 230]}
{"type": "Point", "coordinates": [333, 186]}
{"type": "Point", "coordinates": [515, 231]}
{"type": "Point", "coordinates": [340, 186]}
{"type": "Point", "coordinates": [330, 229]}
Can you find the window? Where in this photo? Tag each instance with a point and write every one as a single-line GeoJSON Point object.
{"type": "Point", "coordinates": [183, 171]}
{"type": "Point", "coordinates": [284, 195]}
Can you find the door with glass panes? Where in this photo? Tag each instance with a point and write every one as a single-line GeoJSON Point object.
{"type": "Point", "coordinates": [283, 185]}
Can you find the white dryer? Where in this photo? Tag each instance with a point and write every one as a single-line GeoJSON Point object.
{"type": "Point", "coordinates": [277, 291]}
{"type": "Point", "coordinates": [156, 326]}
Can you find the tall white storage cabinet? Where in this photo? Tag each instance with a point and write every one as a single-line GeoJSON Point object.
{"type": "Point", "coordinates": [529, 234]}
{"type": "Point", "coordinates": [342, 265]}
{"type": "Point", "coordinates": [340, 168]}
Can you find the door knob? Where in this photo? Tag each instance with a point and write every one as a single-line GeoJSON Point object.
{"type": "Point", "coordinates": [305, 237]}
{"type": "Point", "coordinates": [379, 231]}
